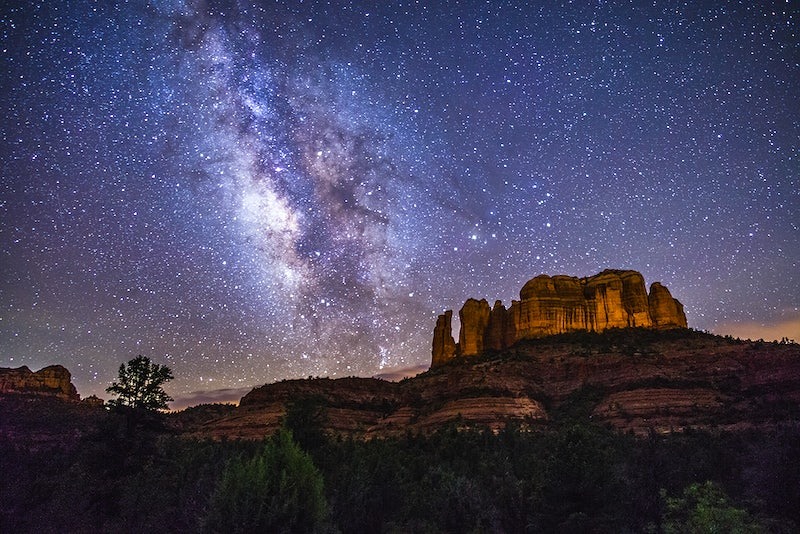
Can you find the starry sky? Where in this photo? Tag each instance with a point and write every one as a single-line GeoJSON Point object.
{"type": "Point", "coordinates": [248, 191]}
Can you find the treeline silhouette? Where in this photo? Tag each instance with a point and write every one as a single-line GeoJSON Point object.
{"type": "Point", "coordinates": [575, 476]}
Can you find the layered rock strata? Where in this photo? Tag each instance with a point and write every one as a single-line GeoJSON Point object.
{"type": "Point", "coordinates": [634, 381]}
{"type": "Point", "coordinates": [53, 381]}
{"type": "Point", "coordinates": [551, 305]}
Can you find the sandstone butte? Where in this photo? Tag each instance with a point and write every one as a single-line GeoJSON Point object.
{"type": "Point", "coordinates": [551, 305]}
{"type": "Point", "coordinates": [638, 380]}
{"type": "Point", "coordinates": [621, 355]}
{"type": "Point", "coordinates": [52, 381]}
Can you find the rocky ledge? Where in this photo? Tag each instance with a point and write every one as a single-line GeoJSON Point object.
{"type": "Point", "coordinates": [42, 410]}
{"type": "Point", "coordinates": [52, 381]}
{"type": "Point", "coordinates": [552, 305]}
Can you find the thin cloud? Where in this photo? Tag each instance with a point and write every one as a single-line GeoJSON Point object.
{"type": "Point", "coordinates": [213, 396]}
{"type": "Point", "coordinates": [394, 375]}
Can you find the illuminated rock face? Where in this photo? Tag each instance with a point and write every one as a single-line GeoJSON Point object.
{"type": "Point", "coordinates": [474, 316]}
{"type": "Point", "coordinates": [54, 381]}
{"type": "Point", "coordinates": [551, 305]}
{"type": "Point", "coordinates": [666, 311]}
{"type": "Point", "coordinates": [444, 346]}
{"type": "Point", "coordinates": [501, 331]}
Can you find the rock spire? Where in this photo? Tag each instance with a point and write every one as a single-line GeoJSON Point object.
{"type": "Point", "coordinates": [551, 305]}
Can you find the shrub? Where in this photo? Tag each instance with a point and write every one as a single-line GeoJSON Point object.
{"type": "Point", "coordinates": [705, 508]}
{"type": "Point", "coordinates": [278, 490]}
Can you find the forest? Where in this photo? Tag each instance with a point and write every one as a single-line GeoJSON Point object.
{"type": "Point", "coordinates": [131, 474]}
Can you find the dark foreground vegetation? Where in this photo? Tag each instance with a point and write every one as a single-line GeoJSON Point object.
{"type": "Point", "coordinates": [133, 475]}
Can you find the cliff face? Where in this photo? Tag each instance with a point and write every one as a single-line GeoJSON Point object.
{"type": "Point", "coordinates": [52, 381]}
{"type": "Point", "coordinates": [444, 346]}
{"type": "Point", "coordinates": [666, 311]}
{"type": "Point", "coordinates": [474, 316]}
{"type": "Point", "coordinates": [556, 305]}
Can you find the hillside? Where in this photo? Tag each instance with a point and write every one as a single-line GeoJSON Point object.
{"type": "Point", "coordinates": [716, 421]}
{"type": "Point", "coordinates": [637, 380]}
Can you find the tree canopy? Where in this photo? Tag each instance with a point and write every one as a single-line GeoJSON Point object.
{"type": "Point", "coordinates": [278, 490]}
{"type": "Point", "coordinates": [139, 385]}
{"type": "Point", "coordinates": [705, 508]}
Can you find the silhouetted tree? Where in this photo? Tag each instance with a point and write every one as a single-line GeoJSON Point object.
{"type": "Point", "coordinates": [139, 385]}
{"type": "Point", "coordinates": [305, 418]}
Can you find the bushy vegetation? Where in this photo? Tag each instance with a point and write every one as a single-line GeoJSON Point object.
{"type": "Point", "coordinates": [277, 490]}
{"type": "Point", "coordinates": [139, 385]}
{"type": "Point", "coordinates": [572, 477]}
{"type": "Point", "coordinates": [705, 508]}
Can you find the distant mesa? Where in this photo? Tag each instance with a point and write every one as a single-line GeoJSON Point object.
{"type": "Point", "coordinates": [559, 304]}
{"type": "Point", "coordinates": [52, 381]}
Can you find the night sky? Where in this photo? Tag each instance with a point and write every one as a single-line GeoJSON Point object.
{"type": "Point", "coordinates": [252, 191]}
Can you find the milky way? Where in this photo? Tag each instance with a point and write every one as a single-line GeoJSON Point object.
{"type": "Point", "coordinates": [251, 191]}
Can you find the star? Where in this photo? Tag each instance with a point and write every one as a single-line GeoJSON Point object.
{"type": "Point", "coordinates": [251, 194]}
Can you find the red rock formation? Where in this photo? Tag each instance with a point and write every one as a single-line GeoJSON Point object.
{"type": "Point", "coordinates": [666, 311]}
{"type": "Point", "coordinates": [637, 381]}
{"type": "Point", "coordinates": [474, 317]}
{"type": "Point", "coordinates": [671, 402]}
{"type": "Point", "coordinates": [635, 300]}
{"type": "Point", "coordinates": [501, 331]}
{"type": "Point", "coordinates": [54, 381]}
{"type": "Point", "coordinates": [604, 298]}
{"type": "Point", "coordinates": [490, 412]}
{"type": "Point", "coordinates": [560, 304]}
{"type": "Point", "coordinates": [444, 346]}
{"type": "Point", "coordinates": [549, 305]}
{"type": "Point", "coordinates": [616, 299]}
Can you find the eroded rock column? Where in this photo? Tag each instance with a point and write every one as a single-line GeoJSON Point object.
{"type": "Point", "coordinates": [474, 322]}
{"type": "Point", "coordinates": [444, 346]}
{"type": "Point", "coordinates": [666, 311]}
